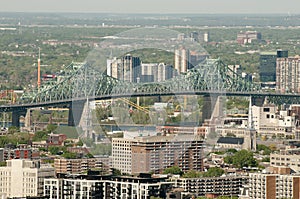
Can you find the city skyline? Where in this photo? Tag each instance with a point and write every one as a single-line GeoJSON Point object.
{"type": "Point", "coordinates": [154, 6]}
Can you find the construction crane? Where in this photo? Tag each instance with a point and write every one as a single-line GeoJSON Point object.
{"type": "Point", "coordinates": [8, 96]}
{"type": "Point", "coordinates": [132, 104]}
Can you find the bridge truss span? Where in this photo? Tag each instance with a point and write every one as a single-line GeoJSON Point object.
{"type": "Point", "coordinates": [79, 81]}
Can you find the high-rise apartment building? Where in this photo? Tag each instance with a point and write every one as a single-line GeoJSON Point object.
{"type": "Point", "coordinates": [288, 75]}
{"type": "Point", "coordinates": [156, 153]}
{"type": "Point", "coordinates": [155, 72]}
{"type": "Point", "coordinates": [278, 184]}
{"type": "Point", "coordinates": [126, 68]}
{"type": "Point", "coordinates": [121, 154]}
{"type": "Point", "coordinates": [182, 60]}
{"type": "Point", "coordinates": [21, 178]}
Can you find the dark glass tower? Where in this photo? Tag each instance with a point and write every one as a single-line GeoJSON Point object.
{"type": "Point", "coordinates": [267, 68]}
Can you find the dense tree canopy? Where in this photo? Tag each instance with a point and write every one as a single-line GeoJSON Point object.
{"type": "Point", "coordinates": [213, 172]}
{"type": "Point", "coordinates": [173, 170]}
{"type": "Point", "coordinates": [242, 158]}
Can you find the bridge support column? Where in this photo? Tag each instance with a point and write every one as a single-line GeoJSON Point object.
{"type": "Point", "coordinates": [258, 101]}
{"type": "Point", "coordinates": [212, 107]}
{"type": "Point", "coordinates": [75, 112]}
{"type": "Point", "coordinates": [208, 104]}
{"type": "Point", "coordinates": [16, 117]}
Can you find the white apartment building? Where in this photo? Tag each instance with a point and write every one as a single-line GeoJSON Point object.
{"type": "Point", "coordinates": [21, 178]}
{"type": "Point", "coordinates": [121, 154]}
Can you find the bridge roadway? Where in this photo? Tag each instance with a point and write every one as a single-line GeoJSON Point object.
{"type": "Point", "coordinates": [284, 98]}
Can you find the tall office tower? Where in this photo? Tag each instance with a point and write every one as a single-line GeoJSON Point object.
{"type": "Point", "coordinates": [22, 178]}
{"type": "Point", "coordinates": [267, 68]}
{"type": "Point", "coordinates": [126, 68]}
{"type": "Point", "coordinates": [182, 60]}
{"type": "Point", "coordinates": [288, 75]}
{"type": "Point", "coordinates": [132, 68]}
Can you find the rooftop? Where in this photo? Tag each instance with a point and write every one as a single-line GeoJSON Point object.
{"type": "Point", "coordinates": [230, 140]}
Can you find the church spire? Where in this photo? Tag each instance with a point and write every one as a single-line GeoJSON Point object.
{"type": "Point", "coordinates": [250, 115]}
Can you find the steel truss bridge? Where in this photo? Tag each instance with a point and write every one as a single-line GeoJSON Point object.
{"type": "Point", "coordinates": [79, 82]}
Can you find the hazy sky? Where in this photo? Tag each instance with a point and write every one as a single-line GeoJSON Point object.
{"type": "Point", "coordinates": [153, 6]}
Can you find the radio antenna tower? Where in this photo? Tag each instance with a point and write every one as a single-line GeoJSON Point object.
{"type": "Point", "coordinates": [39, 70]}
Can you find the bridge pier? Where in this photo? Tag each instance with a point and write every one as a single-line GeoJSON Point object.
{"type": "Point", "coordinates": [75, 112]}
{"type": "Point", "coordinates": [16, 117]}
{"type": "Point", "coordinates": [208, 104]}
{"type": "Point", "coordinates": [212, 107]}
{"type": "Point", "coordinates": [258, 101]}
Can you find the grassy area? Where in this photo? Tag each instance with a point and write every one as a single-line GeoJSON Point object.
{"type": "Point", "coordinates": [70, 131]}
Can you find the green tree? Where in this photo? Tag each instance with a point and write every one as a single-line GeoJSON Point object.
{"type": "Point", "coordinates": [79, 143]}
{"type": "Point", "coordinates": [266, 159]}
{"type": "Point", "coordinates": [69, 155]}
{"type": "Point", "coordinates": [265, 149]}
{"type": "Point", "coordinates": [51, 128]}
{"type": "Point", "coordinates": [115, 172]}
{"type": "Point", "coordinates": [231, 151]}
{"type": "Point", "coordinates": [192, 174]}
{"type": "Point", "coordinates": [213, 172]}
{"type": "Point", "coordinates": [40, 135]}
{"type": "Point", "coordinates": [242, 158]}
{"type": "Point", "coordinates": [139, 117]}
{"type": "Point", "coordinates": [54, 150]}
{"type": "Point", "coordinates": [13, 130]}
{"type": "Point", "coordinates": [89, 155]}
{"type": "Point", "coordinates": [173, 170]}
